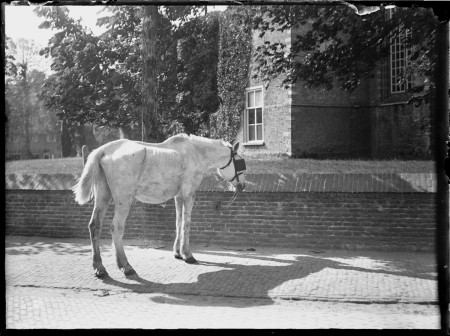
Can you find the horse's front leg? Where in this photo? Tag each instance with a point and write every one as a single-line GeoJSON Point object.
{"type": "Point", "coordinates": [188, 203]}
{"type": "Point", "coordinates": [117, 229]}
{"type": "Point", "coordinates": [179, 219]}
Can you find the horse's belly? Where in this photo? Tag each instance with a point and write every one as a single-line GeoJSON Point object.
{"type": "Point", "coordinates": [157, 192]}
{"type": "Point", "coordinates": [161, 177]}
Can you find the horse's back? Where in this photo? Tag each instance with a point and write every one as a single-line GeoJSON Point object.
{"type": "Point", "coordinates": [147, 172]}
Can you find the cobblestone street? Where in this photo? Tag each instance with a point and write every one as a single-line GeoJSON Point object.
{"type": "Point", "coordinates": [50, 284]}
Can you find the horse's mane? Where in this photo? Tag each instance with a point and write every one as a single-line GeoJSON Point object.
{"type": "Point", "coordinates": [205, 146]}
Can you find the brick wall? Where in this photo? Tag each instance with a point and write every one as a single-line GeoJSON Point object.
{"type": "Point", "coordinates": [360, 211]}
{"type": "Point", "coordinates": [402, 131]}
{"type": "Point", "coordinates": [327, 220]}
{"type": "Point", "coordinates": [320, 131]}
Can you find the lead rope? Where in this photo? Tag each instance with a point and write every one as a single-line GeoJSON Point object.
{"type": "Point", "coordinates": [231, 200]}
{"type": "Point", "coordinates": [219, 206]}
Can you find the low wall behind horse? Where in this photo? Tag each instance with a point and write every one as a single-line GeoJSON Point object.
{"type": "Point", "coordinates": [353, 211]}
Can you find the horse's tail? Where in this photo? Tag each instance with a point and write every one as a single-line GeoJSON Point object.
{"type": "Point", "coordinates": [84, 189]}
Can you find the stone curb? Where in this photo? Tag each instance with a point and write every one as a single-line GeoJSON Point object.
{"type": "Point", "coordinates": [257, 183]}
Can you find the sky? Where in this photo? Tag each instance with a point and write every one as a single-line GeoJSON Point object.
{"type": "Point", "coordinates": [21, 22]}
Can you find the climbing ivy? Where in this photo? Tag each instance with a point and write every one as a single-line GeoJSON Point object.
{"type": "Point", "coordinates": [196, 85]}
{"type": "Point", "coordinates": [235, 49]}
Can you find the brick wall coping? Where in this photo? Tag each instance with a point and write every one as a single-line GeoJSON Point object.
{"type": "Point", "coordinates": [339, 183]}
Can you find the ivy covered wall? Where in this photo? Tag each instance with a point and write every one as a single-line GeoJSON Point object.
{"type": "Point", "coordinates": [235, 47]}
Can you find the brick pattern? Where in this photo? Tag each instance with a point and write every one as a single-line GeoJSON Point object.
{"type": "Point", "coordinates": [329, 131]}
{"type": "Point", "coordinates": [401, 131]}
{"type": "Point", "coordinates": [255, 183]}
{"type": "Point", "coordinates": [381, 221]}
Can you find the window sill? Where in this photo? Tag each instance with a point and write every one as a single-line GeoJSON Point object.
{"type": "Point", "coordinates": [253, 143]}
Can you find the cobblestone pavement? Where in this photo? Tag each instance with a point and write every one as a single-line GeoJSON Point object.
{"type": "Point", "coordinates": [50, 284]}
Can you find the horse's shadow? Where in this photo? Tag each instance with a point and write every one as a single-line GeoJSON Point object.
{"type": "Point", "coordinates": [255, 282]}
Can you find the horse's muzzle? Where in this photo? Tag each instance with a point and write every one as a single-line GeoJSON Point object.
{"type": "Point", "coordinates": [240, 187]}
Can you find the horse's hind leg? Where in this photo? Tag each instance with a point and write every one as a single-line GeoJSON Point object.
{"type": "Point", "coordinates": [188, 203]}
{"type": "Point", "coordinates": [117, 229]}
{"type": "Point", "coordinates": [179, 214]}
{"type": "Point", "coordinates": [102, 198]}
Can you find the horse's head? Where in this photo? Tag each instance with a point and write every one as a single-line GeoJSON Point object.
{"type": "Point", "coordinates": [234, 170]}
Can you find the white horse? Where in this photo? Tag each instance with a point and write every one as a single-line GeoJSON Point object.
{"type": "Point", "coordinates": [153, 173]}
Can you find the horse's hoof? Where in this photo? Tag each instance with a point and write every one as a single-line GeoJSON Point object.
{"type": "Point", "coordinates": [190, 260]}
{"type": "Point", "coordinates": [101, 273]}
{"type": "Point", "coordinates": [178, 256]}
{"type": "Point", "coordinates": [128, 271]}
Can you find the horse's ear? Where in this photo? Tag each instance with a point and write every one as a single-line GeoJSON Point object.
{"type": "Point", "coordinates": [236, 146]}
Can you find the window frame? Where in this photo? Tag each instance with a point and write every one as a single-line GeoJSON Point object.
{"type": "Point", "coordinates": [51, 138]}
{"type": "Point", "coordinates": [396, 47]}
{"type": "Point", "coordinates": [247, 116]}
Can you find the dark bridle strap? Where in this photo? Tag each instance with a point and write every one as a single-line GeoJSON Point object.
{"type": "Point", "coordinates": [236, 174]}
{"type": "Point", "coordinates": [231, 159]}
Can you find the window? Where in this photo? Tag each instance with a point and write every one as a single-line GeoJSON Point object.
{"type": "Point", "coordinates": [254, 115]}
{"type": "Point", "coordinates": [399, 56]}
{"type": "Point", "coordinates": [51, 138]}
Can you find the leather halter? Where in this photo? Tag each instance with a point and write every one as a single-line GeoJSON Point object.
{"type": "Point", "coordinates": [239, 165]}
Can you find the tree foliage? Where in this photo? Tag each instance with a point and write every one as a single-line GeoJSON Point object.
{"type": "Point", "coordinates": [27, 116]}
{"type": "Point", "coordinates": [99, 79]}
{"type": "Point", "coordinates": [196, 85]}
{"type": "Point", "coordinates": [25, 113]}
{"type": "Point", "coordinates": [77, 87]}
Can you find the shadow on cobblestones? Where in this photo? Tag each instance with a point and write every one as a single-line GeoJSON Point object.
{"type": "Point", "coordinates": [403, 267]}
{"type": "Point", "coordinates": [257, 281]}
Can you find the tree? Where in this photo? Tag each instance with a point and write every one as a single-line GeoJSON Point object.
{"type": "Point", "coordinates": [121, 82]}
{"type": "Point", "coordinates": [35, 120]}
{"type": "Point", "coordinates": [155, 36]}
{"type": "Point", "coordinates": [19, 90]}
{"type": "Point", "coordinates": [150, 118]}
{"type": "Point", "coordinates": [105, 74]}
{"type": "Point", "coordinates": [336, 47]}
{"type": "Point", "coordinates": [76, 65]}
{"type": "Point", "coordinates": [196, 87]}
{"type": "Point", "coordinates": [150, 23]}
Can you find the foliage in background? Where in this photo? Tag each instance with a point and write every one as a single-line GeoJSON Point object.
{"type": "Point", "coordinates": [232, 74]}
{"type": "Point", "coordinates": [76, 66]}
{"type": "Point", "coordinates": [99, 79]}
{"type": "Point", "coordinates": [26, 115]}
{"type": "Point", "coordinates": [196, 86]}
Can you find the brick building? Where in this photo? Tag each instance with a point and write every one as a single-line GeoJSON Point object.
{"type": "Point", "coordinates": [374, 121]}
{"type": "Point", "coordinates": [44, 145]}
